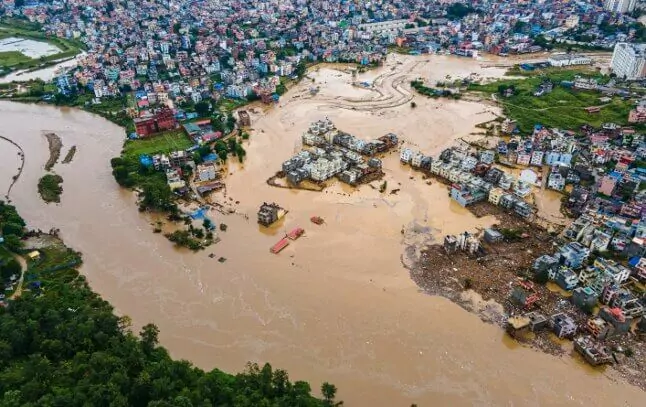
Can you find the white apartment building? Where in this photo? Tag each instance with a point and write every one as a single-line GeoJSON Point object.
{"type": "Point", "coordinates": [619, 6]}
{"type": "Point", "coordinates": [629, 60]}
{"type": "Point", "coordinates": [561, 60]}
{"type": "Point", "coordinates": [381, 26]}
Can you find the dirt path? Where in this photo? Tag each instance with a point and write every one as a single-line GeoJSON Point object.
{"type": "Point", "coordinates": [23, 265]}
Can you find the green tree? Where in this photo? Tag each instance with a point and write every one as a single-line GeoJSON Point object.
{"type": "Point", "coordinates": [149, 337]}
{"type": "Point", "coordinates": [9, 269]}
{"type": "Point", "coordinates": [329, 393]}
{"type": "Point", "coordinates": [203, 108]}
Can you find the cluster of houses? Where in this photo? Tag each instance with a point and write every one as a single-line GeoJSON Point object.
{"type": "Point", "coordinates": [180, 53]}
{"type": "Point", "coordinates": [334, 153]}
{"type": "Point", "coordinates": [206, 174]}
{"type": "Point", "coordinates": [474, 178]}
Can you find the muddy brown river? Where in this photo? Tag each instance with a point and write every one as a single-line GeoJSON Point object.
{"type": "Point", "coordinates": [337, 305]}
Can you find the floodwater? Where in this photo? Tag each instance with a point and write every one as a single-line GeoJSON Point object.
{"type": "Point", "coordinates": [336, 305]}
{"type": "Point", "coordinates": [46, 74]}
{"type": "Point", "coordinates": [30, 48]}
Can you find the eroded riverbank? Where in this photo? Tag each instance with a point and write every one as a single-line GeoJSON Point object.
{"type": "Point", "coordinates": [338, 306]}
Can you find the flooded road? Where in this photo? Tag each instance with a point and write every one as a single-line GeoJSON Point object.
{"type": "Point", "coordinates": [337, 305]}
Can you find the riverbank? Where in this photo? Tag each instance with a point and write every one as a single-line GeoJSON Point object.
{"type": "Point", "coordinates": [338, 306]}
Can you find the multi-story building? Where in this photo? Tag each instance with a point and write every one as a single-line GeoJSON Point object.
{"type": "Point", "coordinates": [573, 255]}
{"type": "Point", "coordinates": [629, 60]}
{"type": "Point", "coordinates": [619, 6]}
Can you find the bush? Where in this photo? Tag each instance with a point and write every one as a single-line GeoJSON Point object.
{"type": "Point", "coordinates": [49, 188]}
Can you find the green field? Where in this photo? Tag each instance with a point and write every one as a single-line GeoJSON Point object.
{"type": "Point", "coordinates": [23, 29]}
{"type": "Point", "coordinates": [160, 143]}
{"type": "Point", "coordinates": [12, 58]}
{"type": "Point", "coordinates": [562, 108]}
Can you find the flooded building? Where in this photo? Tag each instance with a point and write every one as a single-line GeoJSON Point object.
{"type": "Point", "coordinates": [592, 351]}
{"type": "Point", "coordinates": [270, 213]}
{"type": "Point", "coordinates": [563, 325]}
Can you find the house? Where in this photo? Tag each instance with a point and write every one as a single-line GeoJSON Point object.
{"type": "Point", "coordinates": [523, 209]}
{"type": "Point", "coordinates": [585, 298]}
{"type": "Point", "coordinates": [465, 195]}
{"type": "Point", "coordinates": [537, 158]}
{"type": "Point", "coordinates": [523, 294]}
{"type": "Point", "coordinates": [530, 322]}
{"type": "Point", "coordinates": [545, 266]}
{"type": "Point", "coordinates": [244, 119]}
{"type": "Point", "coordinates": [522, 189]}
{"type": "Point", "coordinates": [565, 278]}
{"type": "Point", "coordinates": [495, 194]}
{"type": "Point", "coordinates": [573, 255]}
{"type": "Point", "coordinates": [523, 158]}
{"type": "Point", "coordinates": [594, 353]}
{"type": "Point", "coordinates": [487, 156]}
{"type": "Point", "coordinates": [598, 328]}
{"type": "Point", "coordinates": [270, 213]}
{"type": "Point", "coordinates": [207, 172]}
{"type": "Point", "coordinates": [174, 179]}
{"type": "Point", "coordinates": [406, 155]}
{"type": "Point", "coordinates": [616, 317]}
{"type": "Point", "coordinates": [563, 325]}
{"type": "Point", "coordinates": [611, 268]}
{"type": "Point", "coordinates": [608, 183]}
{"type": "Point", "coordinates": [556, 181]}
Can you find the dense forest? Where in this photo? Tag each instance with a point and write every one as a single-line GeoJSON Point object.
{"type": "Point", "coordinates": [62, 345]}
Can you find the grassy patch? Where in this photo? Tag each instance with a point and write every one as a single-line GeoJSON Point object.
{"type": "Point", "coordinates": [11, 58]}
{"type": "Point", "coordinates": [162, 143]}
{"type": "Point", "coordinates": [562, 108]}
{"type": "Point", "coordinates": [49, 188]}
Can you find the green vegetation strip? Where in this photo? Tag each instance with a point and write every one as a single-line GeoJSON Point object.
{"type": "Point", "coordinates": [62, 345]}
{"type": "Point", "coordinates": [12, 58]}
{"type": "Point", "coordinates": [49, 188]}
{"type": "Point", "coordinates": [562, 108]}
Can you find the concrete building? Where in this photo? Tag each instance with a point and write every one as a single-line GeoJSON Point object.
{"type": "Point", "coordinates": [561, 60]}
{"type": "Point", "coordinates": [406, 155]}
{"type": "Point", "coordinates": [619, 6]}
{"type": "Point", "coordinates": [206, 172]}
{"type": "Point", "coordinates": [556, 181]}
{"type": "Point", "coordinates": [594, 353]}
{"type": "Point", "coordinates": [616, 317]}
{"type": "Point", "coordinates": [573, 255]}
{"type": "Point", "coordinates": [495, 194]}
{"type": "Point", "coordinates": [563, 325]}
{"type": "Point", "coordinates": [565, 278]}
{"type": "Point", "coordinates": [585, 298]}
{"type": "Point", "coordinates": [598, 328]}
{"type": "Point", "coordinates": [629, 60]}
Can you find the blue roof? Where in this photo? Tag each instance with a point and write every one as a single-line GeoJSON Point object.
{"type": "Point", "coordinates": [634, 261]}
{"type": "Point", "coordinates": [145, 160]}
